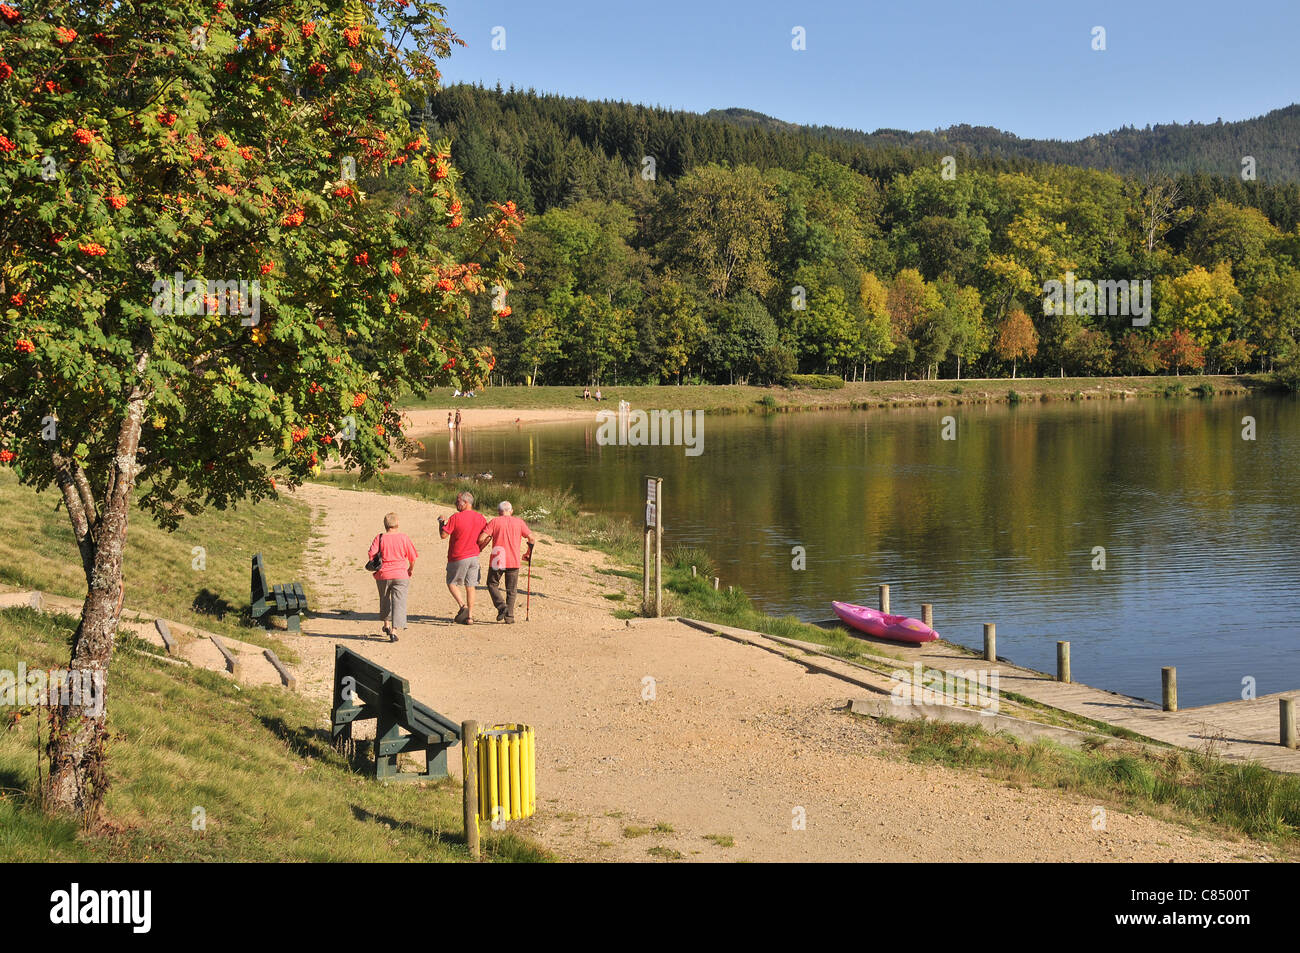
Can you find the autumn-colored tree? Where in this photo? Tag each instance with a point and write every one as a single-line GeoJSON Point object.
{"type": "Point", "coordinates": [204, 296]}
{"type": "Point", "coordinates": [1199, 301]}
{"type": "Point", "coordinates": [1015, 339]}
{"type": "Point", "coordinates": [912, 303]}
{"type": "Point", "coordinates": [1138, 353]}
{"type": "Point", "coordinates": [1181, 350]}
{"type": "Point", "coordinates": [1233, 353]}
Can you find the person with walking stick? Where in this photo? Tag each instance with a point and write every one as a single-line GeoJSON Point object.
{"type": "Point", "coordinates": [505, 533]}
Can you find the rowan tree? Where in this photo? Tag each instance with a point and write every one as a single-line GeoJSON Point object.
{"type": "Point", "coordinates": [225, 253]}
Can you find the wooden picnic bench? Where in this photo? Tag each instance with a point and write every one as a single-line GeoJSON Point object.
{"type": "Point", "coordinates": [287, 600]}
{"type": "Point", "coordinates": [364, 690]}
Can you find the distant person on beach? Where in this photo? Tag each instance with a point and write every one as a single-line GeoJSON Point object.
{"type": "Point", "coordinates": [464, 529]}
{"type": "Point", "coordinates": [451, 427]}
{"type": "Point", "coordinates": [598, 397]}
{"type": "Point", "coordinates": [505, 534]}
{"type": "Point", "coordinates": [458, 419]}
{"type": "Point", "coordinates": [586, 393]}
{"type": "Point", "coordinates": [397, 557]}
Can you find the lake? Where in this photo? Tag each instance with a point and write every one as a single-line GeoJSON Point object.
{"type": "Point", "coordinates": [1197, 527]}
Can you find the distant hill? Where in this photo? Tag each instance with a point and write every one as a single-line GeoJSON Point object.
{"type": "Point", "coordinates": [1216, 148]}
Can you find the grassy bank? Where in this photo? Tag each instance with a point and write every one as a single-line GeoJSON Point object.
{"type": "Point", "coordinates": [37, 551]}
{"type": "Point", "coordinates": [1195, 788]}
{"type": "Point", "coordinates": [718, 398]}
{"type": "Point", "coordinates": [257, 761]}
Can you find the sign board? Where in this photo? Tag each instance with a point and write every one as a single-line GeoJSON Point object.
{"type": "Point", "coordinates": [650, 516]}
{"type": "Point", "coordinates": [650, 483]}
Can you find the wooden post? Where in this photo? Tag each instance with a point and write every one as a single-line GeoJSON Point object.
{"type": "Point", "coordinates": [1169, 688]}
{"type": "Point", "coordinates": [730, 590]}
{"type": "Point", "coordinates": [659, 547]}
{"type": "Point", "coordinates": [717, 583]}
{"type": "Point", "coordinates": [1286, 708]}
{"type": "Point", "coordinates": [645, 574]}
{"type": "Point", "coordinates": [1063, 662]}
{"type": "Point", "coordinates": [469, 775]}
{"type": "Point", "coordinates": [927, 614]}
{"type": "Point", "coordinates": [694, 574]}
{"type": "Point", "coordinates": [884, 599]}
{"type": "Point", "coordinates": [990, 642]}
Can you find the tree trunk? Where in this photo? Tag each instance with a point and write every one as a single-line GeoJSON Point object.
{"type": "Point", "coordinates": [78, 777]}
{"type": "Point", "coordinates": [1013, 368]}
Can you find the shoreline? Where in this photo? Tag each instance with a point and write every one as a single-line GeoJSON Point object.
{"type": "Point", "coordinates": [546, 404]}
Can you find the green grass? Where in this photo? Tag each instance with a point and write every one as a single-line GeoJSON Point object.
{"type": "Point", "coordinates": [722, 840]}
{"type": "Point", "coordinates": [37, 551]}
{"type": "Point", "coordinates": [257, 760]}
{"type": "Point", "coordinates": [723, 398]}
{"type": "Point", "coordinates": [635, 831]}
{"type": "Point", "coordinates": [1184, 786]}
{"type": "Point", "coordinates": [667, 853]}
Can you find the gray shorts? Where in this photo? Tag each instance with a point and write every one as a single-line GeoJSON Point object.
{"type": "Point", "coordinates": [463, 572]}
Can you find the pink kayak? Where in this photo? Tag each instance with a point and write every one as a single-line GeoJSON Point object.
{"type": "Point", "coordinates": [896, 628]}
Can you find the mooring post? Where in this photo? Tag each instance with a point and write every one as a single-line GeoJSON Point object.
{"type": "Point", "coordinates": [990, 642]}
{"type": "Point", "coordinates": [1169, 688]}
{"type": "Point", "coordinates": [693, 573]}
{"type": "Point", "coordinates": [1063, 662]}
{"type": "Point", "coordinates": [884, 599]}
{"type": "Point", "coordinates": [927, 614]}
{"type": "Point", "coordinates": [469, 774]}
{"type": "Point", "coordinates": [1287, 710]}
{"type": "Point", "coordinates": [717, 583]}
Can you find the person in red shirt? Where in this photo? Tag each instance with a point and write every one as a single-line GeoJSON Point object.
{"type": "Point", "coordinates": [505, 533]}
{"type": "Point", "coordinates": [463, 529]}
{"type": "Point", "coordinates": [393, 577]}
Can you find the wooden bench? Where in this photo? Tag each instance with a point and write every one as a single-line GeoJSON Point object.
{"type": "Point", "coordinates": [287, 600]}
{"type": "Point", "coordinates": [364, 690]}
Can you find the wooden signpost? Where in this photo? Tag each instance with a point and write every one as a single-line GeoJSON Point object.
{"type": "Point", "coordinates": [654, 529]}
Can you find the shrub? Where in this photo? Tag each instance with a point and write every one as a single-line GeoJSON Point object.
{"type": "Point", "coordinates": [1204, 390]}
{"type": "Point", "coordinates": [767, 402]}
{"type": "Point", "coordinates": [816, 381]}
{"type": "Point", "coordinates": [1014, 397]}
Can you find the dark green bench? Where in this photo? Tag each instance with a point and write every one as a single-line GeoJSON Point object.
{"type": "Point", "coordinates": [287, 600]}
{"type": "Point", "coordinates": [364, 690]}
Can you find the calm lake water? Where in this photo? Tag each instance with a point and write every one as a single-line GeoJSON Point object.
{"type": "Point", "coordinates": [1201, 528]}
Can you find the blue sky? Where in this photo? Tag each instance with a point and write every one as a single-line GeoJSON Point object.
{"type": "Point", "coordinates": [1023, 66]}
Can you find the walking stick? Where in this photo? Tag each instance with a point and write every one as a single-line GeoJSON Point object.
{"type": "Point", "coordinates": [528, 594]}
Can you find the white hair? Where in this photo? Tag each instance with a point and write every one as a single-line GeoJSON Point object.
{"type": "Point", "coordinates": [505, 508]}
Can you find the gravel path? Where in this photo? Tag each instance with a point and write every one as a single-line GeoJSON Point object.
{"type": "Point", "coordinates": [657, 741]}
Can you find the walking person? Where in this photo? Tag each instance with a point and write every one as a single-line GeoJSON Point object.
{"type": "Point", "coordinates": [397, 557]}
{"type": "Point", "coordinates": [505, 533]}
{"type": "Point", "coordinates": [463, 529]}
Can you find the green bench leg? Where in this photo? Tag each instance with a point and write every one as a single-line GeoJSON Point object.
{"type": "Point", "coordinates": [435, 761]}
{"type": "Point", "coordinates": [386, 764]}
{"type": "Point", "coordinates": [294, 623]}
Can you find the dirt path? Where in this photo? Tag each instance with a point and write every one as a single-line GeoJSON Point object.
{"type": "Point", "coordinates": [735, 745]}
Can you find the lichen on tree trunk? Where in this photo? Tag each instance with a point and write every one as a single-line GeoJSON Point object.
{"type": "Point", "coordinates": [77, 778]}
